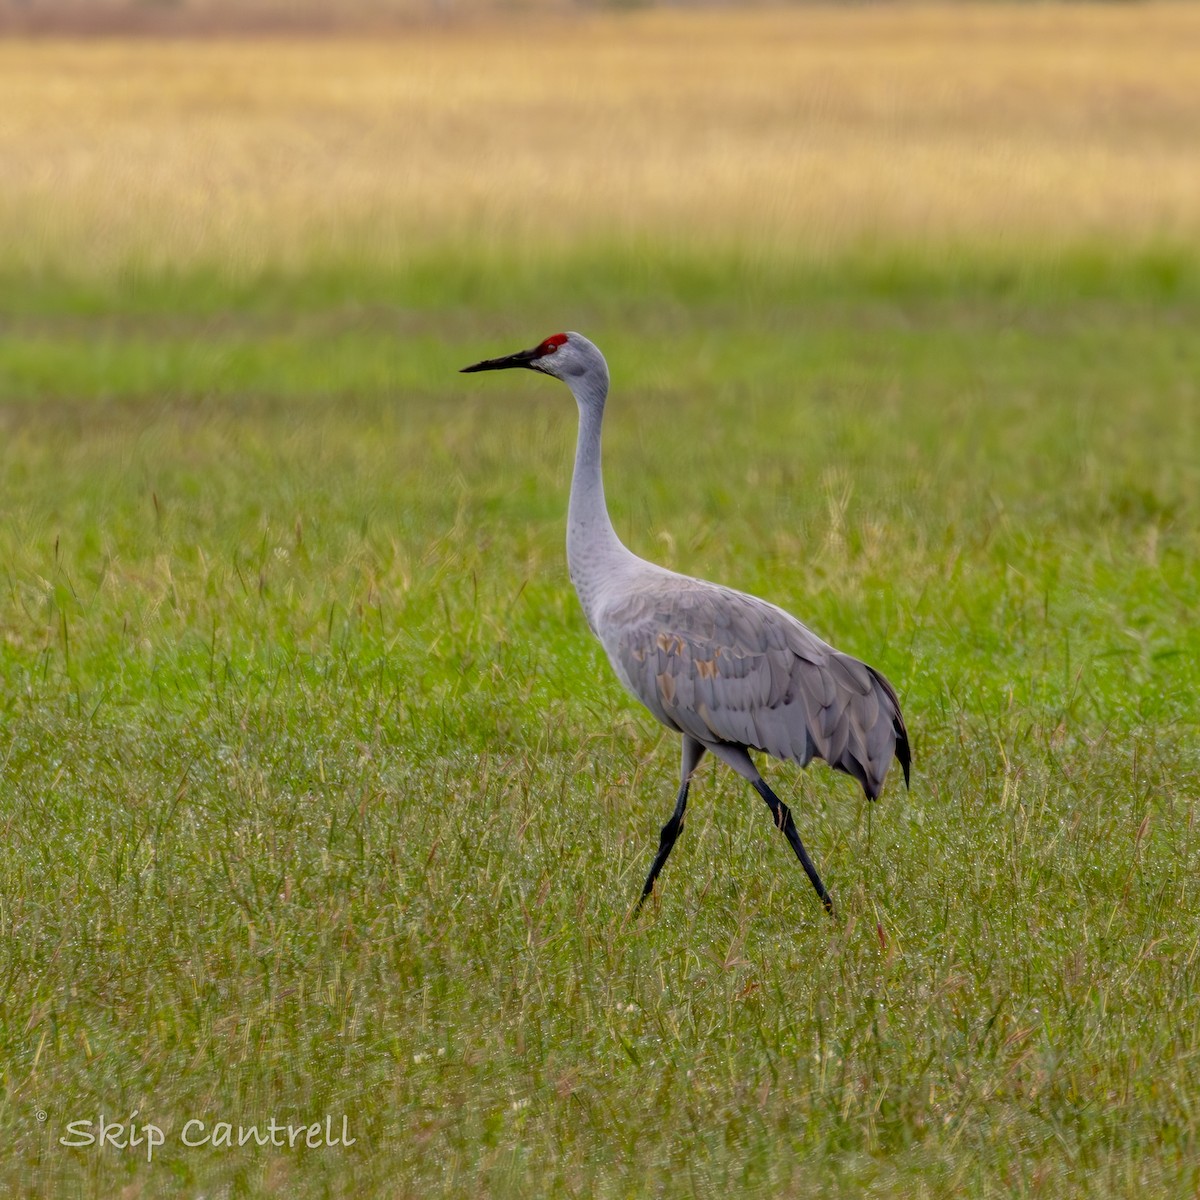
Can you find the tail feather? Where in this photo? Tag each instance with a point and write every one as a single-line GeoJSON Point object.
{"type": "Point", "coordinates": [903, 749]}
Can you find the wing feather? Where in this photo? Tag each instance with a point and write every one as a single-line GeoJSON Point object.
{"type": "Point", "coordinates": [726, 667]}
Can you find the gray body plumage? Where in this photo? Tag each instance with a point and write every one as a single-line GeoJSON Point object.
{"type": "Point", "coordinates": [731, 670]}
{"type": "Point", "coordinates": [728, 671]}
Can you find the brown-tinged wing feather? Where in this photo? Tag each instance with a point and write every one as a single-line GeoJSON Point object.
{"type": "Point", "coordinates": [723, 666]}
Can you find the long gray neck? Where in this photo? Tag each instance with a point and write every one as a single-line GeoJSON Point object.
{"type": "Point", "coordinates": [595, 554]}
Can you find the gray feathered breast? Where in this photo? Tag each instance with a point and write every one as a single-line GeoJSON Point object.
{"type": "Point", "coordinates": [726, 667]}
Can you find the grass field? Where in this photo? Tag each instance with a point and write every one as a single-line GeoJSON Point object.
{"type": "Point", "coordinates": [797, 135]}
{"type": "Point", "coordinates": [319, 799]}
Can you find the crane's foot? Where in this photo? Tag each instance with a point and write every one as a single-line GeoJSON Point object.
{"type": "Point", "coordinates": [666, 840]}
{"type": "Point", "coordinates": [783, 821]}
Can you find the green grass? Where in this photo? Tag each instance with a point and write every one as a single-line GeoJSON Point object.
{"type": "Point", "coordinates": [318, 797]}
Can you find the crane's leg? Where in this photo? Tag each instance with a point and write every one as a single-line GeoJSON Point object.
{"type": "Point", "coordinates": [693, 752]}
{"type": "Point", "coordinates": [783, 821]}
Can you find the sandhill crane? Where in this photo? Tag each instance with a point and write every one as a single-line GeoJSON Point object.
{"type": "Point", "coordinates": [728, 671]}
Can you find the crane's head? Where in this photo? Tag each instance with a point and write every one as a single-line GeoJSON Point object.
{"type": "Point", "coordinates": [567, 356]}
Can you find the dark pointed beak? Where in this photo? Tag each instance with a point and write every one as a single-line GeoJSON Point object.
{"type": "Point", "coordinates": [523, 358]}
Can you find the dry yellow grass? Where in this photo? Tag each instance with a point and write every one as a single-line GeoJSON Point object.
{"type": "Point", "coordinates": [799, 131]}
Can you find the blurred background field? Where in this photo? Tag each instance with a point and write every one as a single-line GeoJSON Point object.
{"type": "Point", "coordinates": [792, 132]}
{"type": "Point", "coordinates": [317, 795]}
